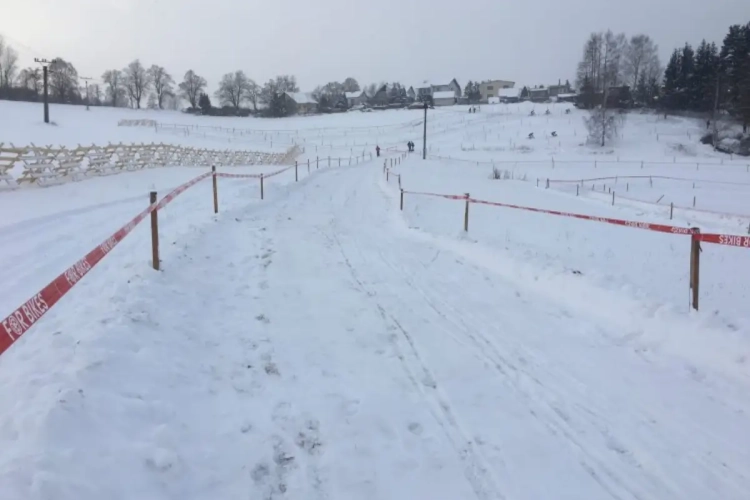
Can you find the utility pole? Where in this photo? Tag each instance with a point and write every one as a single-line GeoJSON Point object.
{"type": "Point", "coordinates": [424, 139]}
{"type": "Point", "coordinates": [86, 79]}
{"type": "Point", "coordinates": [45, 63]}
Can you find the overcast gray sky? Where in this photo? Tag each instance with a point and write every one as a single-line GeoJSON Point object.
{"type": "Point", "coordinates": [530, 42]}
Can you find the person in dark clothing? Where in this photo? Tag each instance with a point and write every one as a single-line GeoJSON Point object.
{"type": "Point", "coordinates": [377, 150]}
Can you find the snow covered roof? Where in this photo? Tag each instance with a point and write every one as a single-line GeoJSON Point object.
{"type": "Point", "coordinates": [566, 96]}
{"type": "Point", "coordinates": [302, 97]}
{"type": "Point", "coordinates": [508, 92]}
{"type": "Point", "coordinates": [447, 94]}
{"type": "Point", "coordinates": [353, 95]}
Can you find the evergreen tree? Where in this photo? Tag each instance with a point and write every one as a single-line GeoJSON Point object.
{"type": "Point", "coordinates": [672, 81]}
{"type": "Point", "coordinates": [467, 89]}
{"type": "Point", "coordinates": [524, 93]}
{"type": "Point", "coordinates": [703, 88]}
{"type": "Point", "coordinates": [686, 77]}
{"type": "Point", "coordinates": [735, 68]}
{"type": "Point", "coordinates": [204, 102]}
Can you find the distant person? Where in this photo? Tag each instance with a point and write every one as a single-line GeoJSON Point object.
{"type": "Point", "coordinates": [708, 124]}
{"type": "Point", "coordinates": [533, 113]}
{"type": "Point", "coordinates": [377, 151]}
{"type": "Point", "coordinates": [531, 135]}
{"type": "Point", "coordinates": [554, 134]}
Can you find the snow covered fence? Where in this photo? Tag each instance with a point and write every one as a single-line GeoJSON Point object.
{"type": "Point", "coordinates": [48, 165]}
{"type": "Point", "coordinates": [552, 162]}
{"type": "Point", "coordinates": [25, 316]}
{"type": "Point", "coordinates": [30, 312]}
{"type": "Point", "coordinates": [695, 234]}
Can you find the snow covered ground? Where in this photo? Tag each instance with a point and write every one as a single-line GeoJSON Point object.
{"type": "Point", "coordinates": [322, 344]}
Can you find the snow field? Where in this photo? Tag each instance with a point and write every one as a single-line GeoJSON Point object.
{"type": "Point", "coordinates": [324, 344]}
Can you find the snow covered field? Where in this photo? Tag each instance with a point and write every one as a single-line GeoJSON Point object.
{"type": "Point", "coordinates": [323, 344]}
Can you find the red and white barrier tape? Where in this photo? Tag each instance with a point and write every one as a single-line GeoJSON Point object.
{"type": "Point", "coordinates": [23, 318]}
{"type": "Point", "coordinates": [731, 240]}
{"type": "Point", "coordinates": [719, 239]}
{"type": "Point", "coordinates": [437, 195]}
{"type": "Point", "coordinates": [619, 222]}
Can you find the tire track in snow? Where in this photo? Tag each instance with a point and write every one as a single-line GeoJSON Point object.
{"type": "Point", "coordinates": [477, 470]}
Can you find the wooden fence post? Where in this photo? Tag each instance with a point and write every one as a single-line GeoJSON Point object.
{"type": "Point", "coordinates": [695, 263]}
{"type": "Point", "coordinates": [613, 198]}
{"type": "Point", "coordinates": [316, 162]}
{"type": "Point", "coordinates": [154, 233]}
{"type": "Point", "coordinates": [387, 175]}
{"type": "Point", "coordinates": [216, 190]}
{"type": "Point", "coordinates": [402, 199]}
{"type": "Point", "coordinates": [577, 189]}
{"type": "Point", "coordinates": [296, 174]}
{"type": "Point", "coordinates": [547, 184]}
{"type": "Point", "coordinates": [466, 214]}
{"type": "Point", "coordinates": [329, 161]}
{"type": "Point", "coordinates": [671, 210]}
{"type": "Point", "coordinates": [308, 164]}
{"type": "Point", "coordinates": [261, 186]}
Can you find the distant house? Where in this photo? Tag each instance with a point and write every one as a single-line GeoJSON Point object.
{"type": "Point", "coordinates": [411, 94]}
{"type": "Point", "coordinates": [355, 98]}
{"type": "Point", "coordinates": [301, 103]}
{"type": "Point", "coordinates": [427, 88]}
{"type": "Point", "coordinates": [490, 88]}
{"type": "Point", "coordinates": [509, 95]}
{"type": "Point", "coordinates": [555, 90]}
{"type": "Point", "coordinates": [444, 98]}
{"type": "Point", "coordinates": [539, 95]}
{"type": "Point", "coordinates": [567, 97]}
{"type": "Point", "coordinates": [380, 97]}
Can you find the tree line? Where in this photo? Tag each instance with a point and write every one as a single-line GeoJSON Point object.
{"type": "Point", "coordinates": [618, 70]}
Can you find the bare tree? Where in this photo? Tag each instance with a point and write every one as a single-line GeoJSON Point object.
{"type": "Point", "coordinates": [162, 82]}
{"type": "Point", "coordinates": [95, 91]}
{"type": "Point", "coordinates": [63, 80]}
{"type": "Point", "coordinates": [277, 86]}
{"type": "Point", "coordinates": [113, 79]}
{"type": "Point", "coordinates": [253, 93]}
{"type": "Point", "coordinates": [351, 85]}
{"type": "Point", "coordinates": [589, 69]}
{"type": "Point", "coordinates": [2, 50]}
{"type": "Point", "coordinates": [191, 87]}
{"type": "Point", "coordinates": [136, 81]}
{"type": "Point", "coordinates": [31, 78]}
{"type": "Point", "coordinates": [233, 89]}
{"type": "Point", "coordinates": [641, 56]}
{"type": "Point", "coordinates": [8, 67]}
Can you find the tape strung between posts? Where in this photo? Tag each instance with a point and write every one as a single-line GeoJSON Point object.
{"type": "Point", "coordinates": [252, 176]}
{"type": "Point", "coordinates": [619, 222]}
{"type": "Point", "coordinates": [28, 314]}
{"type": "Point", "coordinates": [719, 239]}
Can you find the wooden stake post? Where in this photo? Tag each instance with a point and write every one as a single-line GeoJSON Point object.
{"type": "Point", "coordinates": [466, 214]}
{"type": "Point", "coordinates": [216, 190]}
{"type": "Point", "coordinates": [695, 266]}
{"type": "Point", "coordinates": [154, 233]}
{"type": "Point", "coordinates": [296, 174]}
{"type": "Point", "coordinates": [402, 199]}
{"type": "Point", "coordinates": [261, 186]}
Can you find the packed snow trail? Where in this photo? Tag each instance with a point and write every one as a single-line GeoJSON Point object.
{"type": "Point", "coordinates": [317, 348]}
